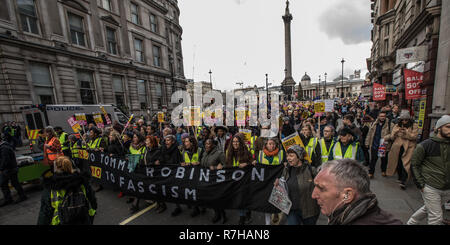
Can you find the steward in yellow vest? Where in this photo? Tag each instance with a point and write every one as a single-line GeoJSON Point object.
{"type": "Point", "coordinates": [271, 154]}
{"type": "Point", "coordinates": [327, 142]}
{"type": "Point", "coordinates": [63, 140]}
{"type": "Point", "coordinates": [66, 183]}
{"type": "Point", "coordinates": [346, 147]}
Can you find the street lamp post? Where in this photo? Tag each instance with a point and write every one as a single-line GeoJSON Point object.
{"type": "Point", "coordinates": [342, 88]}
{"type": "Point", "coordinates": [325, 92]}
{"type": "Point", "coordinates": [318, 92]}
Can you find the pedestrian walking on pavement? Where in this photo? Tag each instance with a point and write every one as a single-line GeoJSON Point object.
{"type": "Point", "coordinates": [379, 131]}
{"type": "Point", "coordinates": [430, 165]}
{"type": "Point", "coordinates": [403, 138]}
{"type": "Point", "coordinates": [8, 173]}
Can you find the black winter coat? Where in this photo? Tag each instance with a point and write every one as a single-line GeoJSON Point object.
{"type": "Point", "coordinates": [170, 156]}
{"type": "Point", "coordinates": [116, 149]}
{"type": "Point", "coordinates": [7, 157]}
{"type": "Point", "coordinates": [62, 182]}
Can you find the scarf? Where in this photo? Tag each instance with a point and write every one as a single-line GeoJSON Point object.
{"type": "Point", "coordinates": [271, 153]}
{"type": "Point", "coordinates": [349, 212]}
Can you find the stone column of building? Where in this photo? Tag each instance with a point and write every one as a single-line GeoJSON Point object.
{"type": "Point", "coordinates": [441, 94]}
{"type": "Point", "coordinates": [288, 82]}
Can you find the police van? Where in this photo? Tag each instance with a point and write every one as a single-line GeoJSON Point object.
{"type": "Point", "coordinates": [38, 117]}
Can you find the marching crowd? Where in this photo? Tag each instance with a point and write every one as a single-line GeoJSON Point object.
{"type": "Point", "coordinates": [343, 147]}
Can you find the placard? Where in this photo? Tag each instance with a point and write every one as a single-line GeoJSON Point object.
{"type": "Point", "coordinates": [247, 134]}
{"type": "Point", "coordinates": [81, 118]}
{"type": "Point", "coordinates": [329, 105]}
{"type": "Point", "coordinates": [98, 120]}
{"type": "Point", "coordinates": [319, 107]}
{"type": "Point", "coordinates": [240, 117]}
{"type": "Point", "coordinates": [280, 198]}
{"type": "Point", "coordinates": [160, 117]}
{"type": "Point", "coordinates": [108, 121]}
{"type": "Point", "coordinates": [74, 124]}
{"type": "Point", "coordinates": [294, 139]}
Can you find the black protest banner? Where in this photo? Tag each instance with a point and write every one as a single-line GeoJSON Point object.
{"type": "Point", "coordinates": [233, 188]}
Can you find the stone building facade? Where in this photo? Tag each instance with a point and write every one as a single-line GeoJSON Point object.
{"type": "Point", "coordinates": [351, 87]}
{"type": "Point", "coordinates": [399, 24]}
{"type": "Point", "coordinates": [122, 52]}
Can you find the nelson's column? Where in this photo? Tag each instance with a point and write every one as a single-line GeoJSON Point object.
{"type": "Point", "coordinates": [288, 84]}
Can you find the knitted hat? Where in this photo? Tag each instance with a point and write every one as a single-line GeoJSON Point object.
{"type": "Point", "coordinates": [443, 121]}
{"type": "Point", "coordinates": [300, 151]}
{"type": "Point", "coordinates": [184, 135]}
{"type": "Point", "coordinates": [404, 115]}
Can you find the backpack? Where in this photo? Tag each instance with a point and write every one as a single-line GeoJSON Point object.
{"type": "Point", "coordinates": [74, 208]}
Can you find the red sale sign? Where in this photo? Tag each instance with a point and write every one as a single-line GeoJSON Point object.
{"type": "Point", "coordinates": [379, 92]}
{"type": "Point", "coordinates": [413, 80]}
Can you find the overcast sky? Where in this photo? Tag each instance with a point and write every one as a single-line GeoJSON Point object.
{"type": "Point", "coordinates": [242, 40]}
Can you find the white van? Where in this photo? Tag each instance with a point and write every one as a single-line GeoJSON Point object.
{"type": "Point", "coordinates": [41, 116]}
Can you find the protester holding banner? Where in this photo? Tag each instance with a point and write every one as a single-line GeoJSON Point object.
{"type": "Point", "coordinates": [272, 154]}
{"type": "Point", "coordinates": [170, 155]}
{"type": "Point", "coordinates": [96, 143]}
{"type": "Point", "coordinates": [214, 159]}
{"type": "Point", "coordinates": [137, 151]}
{"type": "Point", "coordinates": [238, 156]}
{"type": "Point", "coordinates": [192, 155]}
{"type": "Point", "coordinates": [64, 181]}
{"type": "Point", "coordinates": [299, 176]}
{"type": "Point", "coordinates": [404, 140]}
{"type": "Point", "coordinates": [127, 138]}
{"type": "Point", "coordinates": [115, 148]}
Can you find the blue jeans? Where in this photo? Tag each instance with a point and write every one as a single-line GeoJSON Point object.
{"type": "Point", "coordinates": [295, 218]}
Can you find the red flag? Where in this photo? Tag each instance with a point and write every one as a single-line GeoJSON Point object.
{"type": "Point", "coordinates": [413, 81]}
{"type": "Point", "coordinates": [379, 92]}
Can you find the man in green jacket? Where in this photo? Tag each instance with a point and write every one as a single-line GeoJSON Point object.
{"type": "Point", "coordinates": [431, 168]}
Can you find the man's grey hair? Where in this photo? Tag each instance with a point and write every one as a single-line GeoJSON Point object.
{"type": "Point", "coordinates": [349, 173]}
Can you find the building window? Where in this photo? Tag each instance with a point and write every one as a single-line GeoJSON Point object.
{"type": "Point", "coordinates": [180, 67]}
{"type": "Point", "coordinates": [42, 82]}
{"type": "Point", "coordinates": [153, 23]}
{"type": "Point", "coordinates": [77, 30]}
{"type": "Point", "coordinates": [87, 87]}
{"type": "Point", "coordinates": [134, 13]}
{"type": "Point", "coordinates": [111, 40]}
{"type": "Point", "coordinates": [156, 56]}
{"type": "Point", "coordinates": [159, 94]}
{"type": "Point", "coordinates": [106, 4]}
{"type": "Point", "coordinates": [119, 92]}
{"type": "Point", "coordinates": [28, 16]}
{"type": "Point", "coordinates": [142, 92]}
{"type": "Point", "coordinates": [139, 50]}
{"type": "Point", "coordinates": [386, 30]}
{"type": "Point", "coordinates": [386, 47]}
